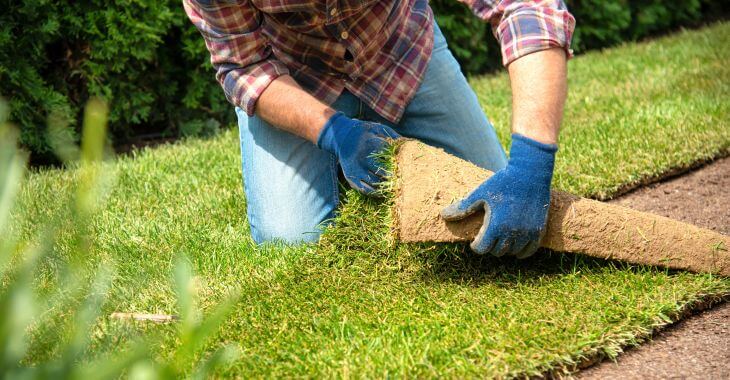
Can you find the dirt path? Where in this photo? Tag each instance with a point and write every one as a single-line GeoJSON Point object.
{"type": "Point", "coordinates": [699, 346]}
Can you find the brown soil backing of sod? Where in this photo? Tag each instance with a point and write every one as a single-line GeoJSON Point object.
{"type": "Point", "coordinates": [429, 179]}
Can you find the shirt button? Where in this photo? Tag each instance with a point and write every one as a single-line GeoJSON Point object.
{"type": "Point", "coordinates": [344, 35]}
{"type": "Point", "coordinates": [333, 11]}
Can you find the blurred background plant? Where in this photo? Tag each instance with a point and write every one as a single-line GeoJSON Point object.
{"type": "Point", "coordinates": [143, 57]}
{"type": "Point", "coordinates": [151, 65]}
{"type": "Point", "coordinates": [40, 287]}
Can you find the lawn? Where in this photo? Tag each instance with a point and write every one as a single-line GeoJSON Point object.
{"type": "Point", "coordinates": [359, 305]}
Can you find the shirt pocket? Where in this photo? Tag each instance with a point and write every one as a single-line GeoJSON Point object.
{"type": "Point", "coordinates": [300, 22]}
{"type": "Point", "coordinates": [286, 6]}
{"type": "Point", "coordinates": [349, 7]}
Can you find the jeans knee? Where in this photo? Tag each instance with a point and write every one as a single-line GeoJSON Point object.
{"type": "Point", "coordinates": [286, 232]}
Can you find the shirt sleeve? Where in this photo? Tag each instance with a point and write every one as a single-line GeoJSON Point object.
{"type": "Point", "coordinates": [239, 51]}
{"type": "Point", "coordinates": [524, 27]}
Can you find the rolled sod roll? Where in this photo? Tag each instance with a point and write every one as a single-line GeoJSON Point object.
{"type": "Point", "coordinates": [429, 179]}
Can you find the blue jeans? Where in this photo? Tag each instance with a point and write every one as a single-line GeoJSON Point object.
{"type": "Point", "coordinates": [291, 185]}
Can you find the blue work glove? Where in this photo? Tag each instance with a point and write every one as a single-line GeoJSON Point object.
{"type": "Point", "coordinates": [354, 142]}
{"type": "Point", "coordinates": [515, 201]}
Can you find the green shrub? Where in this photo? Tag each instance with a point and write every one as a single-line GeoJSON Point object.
{"type": "Point", "coordinates": [144, 57]}
{"type": "Point", "coordinates": [150, 63]}
{"type": "Point", "coordinates": [604, 23]}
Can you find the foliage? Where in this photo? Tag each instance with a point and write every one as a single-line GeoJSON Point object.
{"type": "Point", "coordinates": [360, 305]}
{"type": "Point", "coordinates": [605, 23]}
{"type": "Point", "coordinates": [59, 316]}
{"type": "Point", "coordinates": [143, 57]}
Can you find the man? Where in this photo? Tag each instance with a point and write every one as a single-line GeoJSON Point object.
{"type": "Point", "coordinates": [324, 84]}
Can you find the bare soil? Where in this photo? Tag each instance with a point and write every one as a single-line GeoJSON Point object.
{"type": "Point", "coordinates": [701, 197]}
{"type": "Point", "coordinates": [428, 179]}
{"type": "Point", "coordinates": [699, 346]}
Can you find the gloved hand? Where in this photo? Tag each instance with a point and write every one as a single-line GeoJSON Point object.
{"type": "Point", "coordinates": [354, 142]}
{"type": "Point", "coordinates": [515, 200]}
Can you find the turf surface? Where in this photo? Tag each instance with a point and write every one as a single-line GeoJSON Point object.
{"type": "Point", "coordinates": [359, 305]}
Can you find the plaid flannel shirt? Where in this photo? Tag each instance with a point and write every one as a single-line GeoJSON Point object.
{"type": "Point", "coordinates": [377, 50]}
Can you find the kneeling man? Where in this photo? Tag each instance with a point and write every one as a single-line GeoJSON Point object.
{"type": "Point", "coordinates": [320, 86]}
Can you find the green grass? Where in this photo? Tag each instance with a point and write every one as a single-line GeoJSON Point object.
{"type": "Point", "coordinates": [359, 305]}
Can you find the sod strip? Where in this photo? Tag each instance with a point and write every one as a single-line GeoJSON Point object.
{"type": "Point", "coordinates": [429, 179]}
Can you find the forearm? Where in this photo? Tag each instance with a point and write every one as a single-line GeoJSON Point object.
{"type": "Point", "coordinates": [289, 107]}
{"type": "Point", "coordinates": [539, 88]}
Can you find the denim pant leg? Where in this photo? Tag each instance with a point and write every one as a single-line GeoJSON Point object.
{"type": "Point", "coordinates": [291, 185]}
{"type": "Point", "coordinates": [445, 113]}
